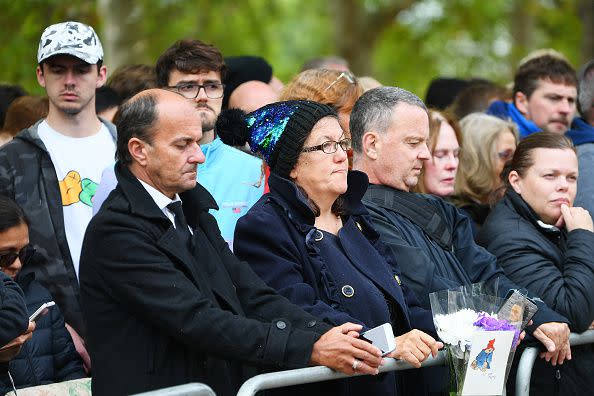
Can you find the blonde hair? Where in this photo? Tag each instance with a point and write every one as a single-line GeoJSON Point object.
{"type": "Point", "coordinates": [368, 83]}
{"type": "Point", "coordinates": [322, 86]}
{"type": "Point", "coordinates": [435, 119]}
{"type": "Point", "coordinates": [479, 155]}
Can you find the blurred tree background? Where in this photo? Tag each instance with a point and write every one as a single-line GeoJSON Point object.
{"type": "Point", "coordinates": [399, 42]}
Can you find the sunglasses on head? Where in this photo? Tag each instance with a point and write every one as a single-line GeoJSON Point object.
{"type": "Point", "coordinates": [346, 75]}
{"type": "Point", "coordinates": [24, 255]}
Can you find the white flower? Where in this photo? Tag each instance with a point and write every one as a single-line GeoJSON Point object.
{"type": "Point", "coordinates": [456, 329]}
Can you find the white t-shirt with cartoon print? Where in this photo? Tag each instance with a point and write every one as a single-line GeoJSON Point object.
{"type": "Point", "coordinates": [78, 163]}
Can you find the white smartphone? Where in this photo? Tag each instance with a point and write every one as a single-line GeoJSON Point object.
{"type": "Point", "coordinates": [382, 337]}
{"type": "Point", "coordinates": [40, 310]}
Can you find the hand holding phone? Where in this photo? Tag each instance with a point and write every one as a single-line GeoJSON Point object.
{"type": "Point", "coordinates": [381, 337]}
{"type": "Point", "coordinates": [40, 310]}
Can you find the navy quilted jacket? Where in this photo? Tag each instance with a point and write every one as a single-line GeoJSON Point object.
{"type": "Point", "coordinates": [49, 356]}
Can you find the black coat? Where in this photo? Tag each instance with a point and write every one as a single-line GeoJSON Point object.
{"type": "Point", "coordinates": [556, 266]}
{"type": "Point", "coordinates": [13, 315]}
{"type": "Point", "coordinates": [158, 315]}
{"type": "Point", "coordinates": [13, 311]}
{"type": "Point", "coordinates": [49, 356]}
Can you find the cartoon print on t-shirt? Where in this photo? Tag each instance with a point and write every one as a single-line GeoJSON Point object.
{"type": "Point", "coordinates": [89, 188]}
{"type": "Point", "coordinates": [74, 190]}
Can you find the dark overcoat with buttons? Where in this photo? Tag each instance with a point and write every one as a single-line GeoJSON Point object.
{"type": "Point", "coordinates": [160, 314]}
{"type": "Point", "coordinates": [277, 237]}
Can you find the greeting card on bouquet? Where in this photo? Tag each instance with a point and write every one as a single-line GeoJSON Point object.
{"type": "Point", "coordinates": [485, 372]}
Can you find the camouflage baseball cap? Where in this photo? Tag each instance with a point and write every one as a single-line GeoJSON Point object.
{"type": "Point", "coordinates": [70, 38]}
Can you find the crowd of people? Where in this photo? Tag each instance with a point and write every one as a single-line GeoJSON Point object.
{"type": "Point", "coordinates": [200, 221]}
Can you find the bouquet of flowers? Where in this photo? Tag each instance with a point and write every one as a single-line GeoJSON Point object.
{"type": "Point", "coordinates": [481, 332]}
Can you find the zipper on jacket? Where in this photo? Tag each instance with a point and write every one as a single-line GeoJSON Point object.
{"type": "Point", "coordinates": [12, 383]}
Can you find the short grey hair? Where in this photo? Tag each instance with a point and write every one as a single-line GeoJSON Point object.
{"type": "Point", "coordinates": [586, 88]}
{"type": "Point", "coordinates": [373, 111]}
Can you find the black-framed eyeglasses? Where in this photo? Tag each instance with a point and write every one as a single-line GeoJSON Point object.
{"type": "Point", "coordinates": [24, 255]}
{"type": "Point", "coordinates": [346, 75]}
{"type": "Point", "coordinates": [190, 90]}
{"type": "Point", "coordinates": [330, 146]}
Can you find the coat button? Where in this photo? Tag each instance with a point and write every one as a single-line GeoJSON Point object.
{"type": "Point", "coordinates": [398, 280]}
{"type": "Point", "coordinates": [359, 226]}
{"type": "Point", "coordinates": [318, 236]}
{"type": "Point", "coordinates": [311, 323]}
{"type": "Point", "coordinates": [281, 325]}
{"type": "Point", "coordinates": [348, 291]}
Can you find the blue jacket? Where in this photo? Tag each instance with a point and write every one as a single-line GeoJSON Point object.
{"type": "Point", "coordinates": [49, 356]}
{"type": "Point", "coordinates": [582, 135]}
{"type": "Point", "coordinates": [508, 111]}
{"type": "Point", "coordinates": [235, 180]}
{"type": "Point", "coordinates": [280, 242]}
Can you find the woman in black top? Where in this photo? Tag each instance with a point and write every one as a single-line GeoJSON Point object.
{"type": "Point", "coordinates": [545, 244]}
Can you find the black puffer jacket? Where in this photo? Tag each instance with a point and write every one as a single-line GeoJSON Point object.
{"type": "Point", "coordinates": [49, 356]}
{"type": "Point", "coordinates": [557, 266]}
{"type": "Point", "coordinates": [13, 316]}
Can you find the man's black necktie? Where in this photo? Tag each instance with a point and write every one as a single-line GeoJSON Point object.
{"type": "Point", "coordinates": [181, 226]}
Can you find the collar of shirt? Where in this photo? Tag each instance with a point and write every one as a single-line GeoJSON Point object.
{"type": "Point", "coordinates": [161, 200]}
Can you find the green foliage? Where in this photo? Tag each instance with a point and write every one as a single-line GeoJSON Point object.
{"type": "Point", "coordinates": [462, 38]}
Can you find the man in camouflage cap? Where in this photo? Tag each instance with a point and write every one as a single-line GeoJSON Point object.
{"type": "Point", "coordinates": [52, 168]}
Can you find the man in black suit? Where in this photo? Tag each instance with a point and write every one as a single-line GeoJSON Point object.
{"type": "Point", "coordinates": [165, 301]}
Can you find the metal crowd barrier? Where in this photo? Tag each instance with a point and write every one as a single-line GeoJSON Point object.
{"type": "Point", "coordinates": [191, 389]}
{"type": "Point", "coordinates": [531, 353]}
{"type": "Point", "coordinates": [308, 375]}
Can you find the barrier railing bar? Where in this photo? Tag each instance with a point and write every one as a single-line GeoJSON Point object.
{"type": "Point", "coordinates": [320, 373]}
{"type": "Point", "coordinates": [191, 389]}
{"type": "Point", "coordinates": [529, 357]}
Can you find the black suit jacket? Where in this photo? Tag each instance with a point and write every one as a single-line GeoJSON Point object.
{"type": "Point", "coordinates": [160, 315]}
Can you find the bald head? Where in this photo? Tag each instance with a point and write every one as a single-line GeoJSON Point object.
{"type": "Point", "coordinates": [140, 114]}
{"type": "Point", "coordinates": [158, 140]}
{"type": "Point", "coordinates": [252, 95]}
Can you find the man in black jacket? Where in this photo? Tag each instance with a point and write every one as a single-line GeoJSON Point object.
{"type": "Point", "coordinates": [164, 299]}
{"type": "Point", "coordinates": [52, 168]}
{"type": "Point", "coordinates": [431, 239]}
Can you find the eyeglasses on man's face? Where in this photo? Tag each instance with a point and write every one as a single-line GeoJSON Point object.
{"type": "Point", "coordinates": [330, 146]}
{"type": "Point", "coordinates": [213, 90]}
{"type": "Point", "coordinates": [24, 255]}
{"type": "Point", "coordinates": [346, 75]}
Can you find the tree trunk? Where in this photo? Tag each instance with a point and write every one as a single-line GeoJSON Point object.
{"type": "Point", "coordinates": [522, 28]}
{"type": "Point", "coordinates": [121, 34]}
{"type": "Point", "coordinates": [357, 30]}
{"type": "Point", "coordinates": [586, 13]}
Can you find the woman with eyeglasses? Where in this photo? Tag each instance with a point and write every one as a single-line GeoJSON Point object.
{"type": "Point", "coordinates": [310, 239]}
{"type": "Point", "coordinates": [439, 172]}
{"type": "Point", "coordinates": [49, 356]}
{"type": "Point", "coordinates": [488, 143]}
{"type": "Point", "coordinates": [546, 244]}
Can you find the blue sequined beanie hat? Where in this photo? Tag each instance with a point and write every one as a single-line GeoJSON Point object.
{"type": "Point", "coordinates": [276, 131]}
